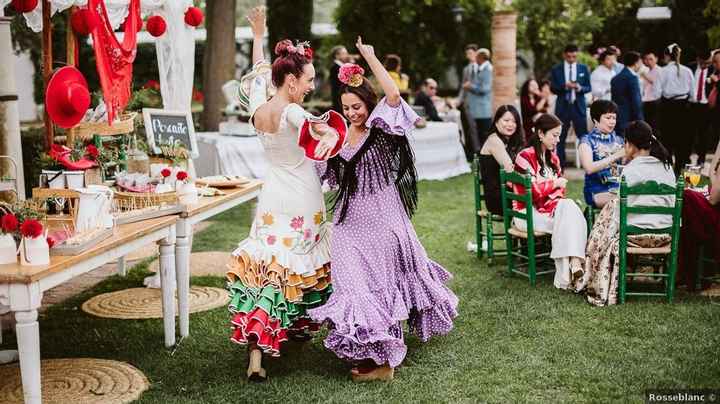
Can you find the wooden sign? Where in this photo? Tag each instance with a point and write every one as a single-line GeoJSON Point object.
{"type": "Point", "coordinates": [165, 127]}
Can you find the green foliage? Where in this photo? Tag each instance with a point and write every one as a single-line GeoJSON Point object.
{"type": "Point", "coordinates": [32, 142]}
{"type": "Point", "coordinates": [424, 34]}
{"type": "Point", "coordinates": [289, 20]}
{"type": "Point", "coordinates": [712, 11]}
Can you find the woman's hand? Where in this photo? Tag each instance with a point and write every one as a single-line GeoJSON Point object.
{"type": "Point", "coordinates": [367, 51]}
{"type": "Point", "coordinates": [326, 144]}
{"type": "Point", "coordinates": [256, 17]}
{"type": "Point", "coordinates": [560, 182]}
{"type": "Point", "coordinates": [618, 155]}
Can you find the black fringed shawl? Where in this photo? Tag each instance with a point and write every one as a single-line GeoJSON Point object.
{"type": "Point", "coordinates": [383, 158]}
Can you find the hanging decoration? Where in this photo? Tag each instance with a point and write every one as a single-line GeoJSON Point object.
{"type": "Point", "coordinates": [114, 59]}
{"type": "Point", "coordinates": [24, 6]}
{"type": "Point", "coordinates": [194, 16]}
{"type": "Point", "coordinates": [138, 23]}
{"type": "Point", "coordinates": [83, 21]}
{"type": "Point", "coordinates": [156, 25]}
{"type": "Point", "coordinates": [67, 97]}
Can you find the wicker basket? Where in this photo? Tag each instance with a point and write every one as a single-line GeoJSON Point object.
{"type": "Point", "coordinates": [125, 201]}
{"type": "Point", "coordinates": [86, 130]}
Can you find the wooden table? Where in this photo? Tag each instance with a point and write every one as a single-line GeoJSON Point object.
{"type": "Point", "coordinates": [206, 208]}
{"type": "Point", "coordinates": [22, 287]}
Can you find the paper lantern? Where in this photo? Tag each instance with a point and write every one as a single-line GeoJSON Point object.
{"type": "Point", "coordinates": [24, 6]}
{"type": "Point", "coordinates": [194, 16]}
{"type": "Point", "coordinates": [83, 21]}
{"type": "Point", "coordinates": [156, 25]}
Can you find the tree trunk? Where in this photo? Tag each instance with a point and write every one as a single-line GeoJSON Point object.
{"type": "Point", "coordinates": [504, 51]}
{"type": "Point", "coordinates": [219, 60]}
{"type": "Point", "coordinates": [289, 20]}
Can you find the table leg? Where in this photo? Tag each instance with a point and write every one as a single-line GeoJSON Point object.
{"type": "Point", "coordinates": [121, 268]}
{"type": "Point", "coordinates": [167, 281]}
{"type": "Point", "coordinates": [27, 330]}
{"type": "Point", "coordinates": [182, 267]}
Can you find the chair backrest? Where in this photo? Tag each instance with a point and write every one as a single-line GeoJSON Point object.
{"type": "Point", "coordinates": [508, 195]}
{"type": "Point", "coordinates": [477, 181]}
{"type": "Point", "coordinates": [651, 188]}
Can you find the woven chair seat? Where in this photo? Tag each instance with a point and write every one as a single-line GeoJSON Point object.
{"type": "Point", "coordinates": [515, 232]}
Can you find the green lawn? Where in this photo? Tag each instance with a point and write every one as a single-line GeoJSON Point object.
{"type": "Point", "coordinates": [511, 343]}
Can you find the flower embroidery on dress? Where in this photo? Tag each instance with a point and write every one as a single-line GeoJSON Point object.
{"type": "Point", "coordinates": [297, 223]}
{"type": "Point", "coordinates": [307, 234]}
{"type": "Point", "coordinates": [318, 218]}
{"type": "Point", "coordinates": [271, 240]}
{"type": "Point", "coordinates": [288, 241]}
{"type": "Point", "coordinates": [268, 219]}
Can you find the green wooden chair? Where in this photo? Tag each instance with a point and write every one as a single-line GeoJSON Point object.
{"type": "Point", "coordinates": [664, 257]}
{"type": "Point", "coordinates": [485, 220]}
{"type": "Point", "coordinates": [521, 245]}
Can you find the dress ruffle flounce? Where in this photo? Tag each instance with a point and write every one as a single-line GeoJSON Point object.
{"type": "Point", "coordinates": [272, 289]}
{"type": "Point", "coordinates": [419, 296]}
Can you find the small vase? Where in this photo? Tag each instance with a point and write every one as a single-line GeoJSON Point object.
{"type": "Point", "coordinates": [55, 179]}
{"type": "Point", "coordinates": [75, 179]}
{"type": "Point", "coordinates": [187, 193]}
{"type": "Point", "coordinates": [34, 251]}
{"type": "Point", "coordinates": [8, 249]}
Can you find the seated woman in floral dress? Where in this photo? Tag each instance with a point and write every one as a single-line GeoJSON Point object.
{"type": "Point", "coordinates": [552, 212]}
{"type": "Point", "coordinates": [648, 161]}
{"type": "Point", "coordinates": [600, 150]}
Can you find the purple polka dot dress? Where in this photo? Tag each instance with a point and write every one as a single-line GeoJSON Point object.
{"type": "Point", "coordinates": [381, 273]}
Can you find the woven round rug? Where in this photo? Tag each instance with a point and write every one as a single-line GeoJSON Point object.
{"type": "Point", "coordinates": [139, 303]}
{"type": "Point", "coordinates": [83, 380]}
{"type": "Point", "coordinates": [204, 263]}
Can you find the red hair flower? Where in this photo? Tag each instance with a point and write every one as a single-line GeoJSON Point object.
{"type": "Point", "coordinates": [9, 223]}
{"type": "Point", "coordinates": [165, 172]}
{"type": "Point", "coordinates": [351, 74]}
{"type": "Point", "coordinates": [181, 176]}
{"type": "Point", "coordinates": [31, 228]}
{"type": "Point", "coordinates": [92, 151]}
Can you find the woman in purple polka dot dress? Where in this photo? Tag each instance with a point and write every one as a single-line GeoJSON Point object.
{"type": "Point", "coordinates": [381, 273]}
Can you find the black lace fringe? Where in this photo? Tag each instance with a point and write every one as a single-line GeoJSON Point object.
{"type": "Point", "coordinates": [384, 159]}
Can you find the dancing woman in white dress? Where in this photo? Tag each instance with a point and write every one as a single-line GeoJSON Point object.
{"type": "Point", "coordinates": [282, 268]}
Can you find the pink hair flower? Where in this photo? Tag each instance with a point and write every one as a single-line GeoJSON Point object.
{"type": "Point", "coordinates": [351, 74]}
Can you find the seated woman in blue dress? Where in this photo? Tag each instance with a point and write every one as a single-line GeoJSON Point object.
{"type": "Point", "coordinates": [600, 150]}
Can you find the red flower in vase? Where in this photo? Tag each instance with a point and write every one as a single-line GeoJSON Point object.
{"type": "Point", "coordinates": [152, 84]}
{"type": "Point", "coordinates": [181, 175]}
{"type": "Point", "coordinates": [9, 223]}
{"type": "Point", "coordinates": [165, 172]}
{"type": "Point", "coordinates": [31, 228]}
{"type": "Point", "coordinates": [50, 241]}
{"type": "Point", "coordinates": [92, 151]}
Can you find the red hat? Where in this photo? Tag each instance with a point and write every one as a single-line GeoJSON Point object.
{"type": "Point", "coordinates": [67, 97]}
{"type": "Point", "coordinates": [24, 6]}
{"type": "Point", "coordinates": [309, 143]}
{"type": "Point", "coordinates": [194, 16]}
{"type": "Point", "coordinates": [156, 25]}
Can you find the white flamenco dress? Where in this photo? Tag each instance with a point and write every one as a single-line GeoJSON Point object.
{"type": "Point", "coordinates": [282, 268]}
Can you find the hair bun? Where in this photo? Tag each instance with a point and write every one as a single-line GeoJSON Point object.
{"type": "Point", "coordinates": [282, 48]}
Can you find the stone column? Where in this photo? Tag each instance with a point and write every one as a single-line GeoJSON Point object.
{"type": "Point", "coordinates": [9, 116]}
{"type": "Point", "coordinates": [504, 57]}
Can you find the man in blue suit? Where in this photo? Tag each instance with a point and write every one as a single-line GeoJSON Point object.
{"type": "Point", "coordinates": [625, 91]}
{"type": "Point", "coordinates": [570, 81]}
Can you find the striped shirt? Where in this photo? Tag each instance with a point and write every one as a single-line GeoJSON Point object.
{"type": "Point", "coordinates": [674, 85]}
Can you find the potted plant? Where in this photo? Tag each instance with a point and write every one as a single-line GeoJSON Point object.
{"type": "Point", "coordinates": [186, 190]}
{"type": "Point", "coordinates": [52, 172]}
{"type": "Point", "coordinates": [8, 248]}
{"type": "Point", "coordinates": [34, 247]}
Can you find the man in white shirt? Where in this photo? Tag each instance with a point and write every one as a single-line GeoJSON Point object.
{"type": "Point", "coordinates": [701, 114]}
{"type": "Point", "coordinates": [651, 89]}
{"type": "Point", "coordinates": [601, 76]}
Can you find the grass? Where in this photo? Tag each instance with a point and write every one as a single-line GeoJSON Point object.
{"type": "Point", "coordinates": [511, 343]}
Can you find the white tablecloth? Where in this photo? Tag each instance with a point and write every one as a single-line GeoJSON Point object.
{"type": "Point", "coordinates": [438, 153]}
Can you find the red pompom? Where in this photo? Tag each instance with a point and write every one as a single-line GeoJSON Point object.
{"type": "Point", "coordinates": [83, 21]}
{"type": "Point", "coordinates": [24, 6]}
{"type": "Point", "coordinates": [156, 25]}
{"type": "Point", "coordinates": [165, 172]}
{"type": "Point", "coordinates": [9, 223]}
{"type": "Point", "coordinates": [309, 53]}
{"type": "Point", "coordinates": [31, 228]}
{"type": "Point", "coordinates": [194, 16]}
{"type": "Point", "coordinates": [182, 175]}
{"type": "Point", "coordinates": [282, 48]}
